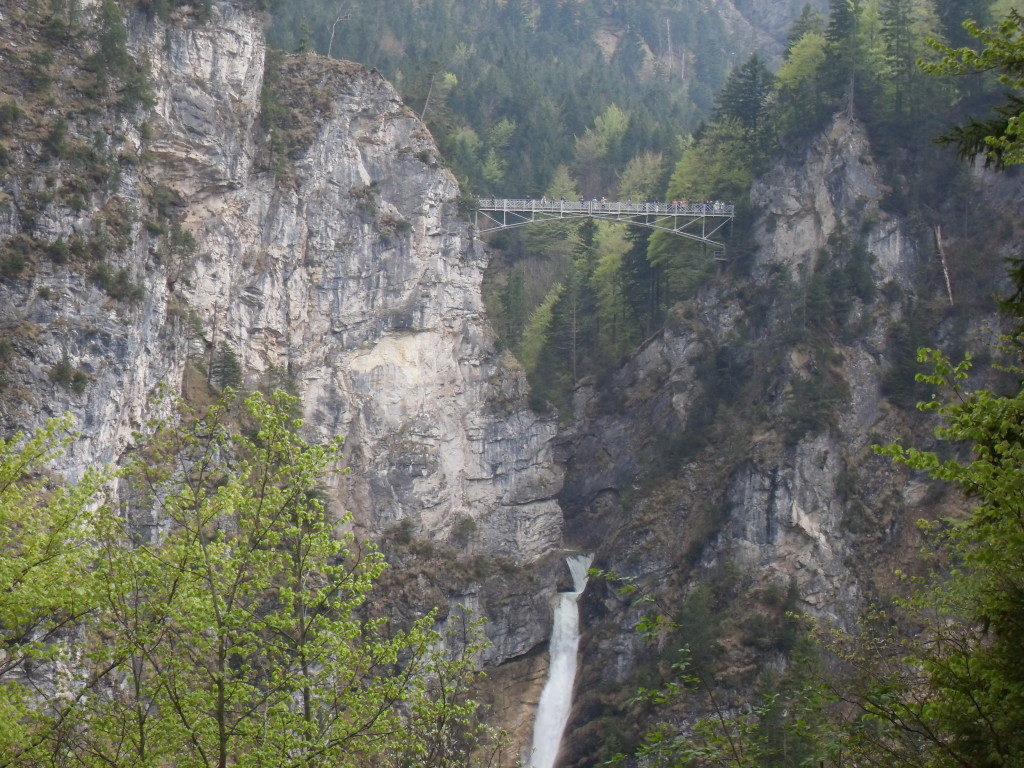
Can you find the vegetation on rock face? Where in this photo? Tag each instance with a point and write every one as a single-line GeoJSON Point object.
{"type": "Point", "coordinates": [932, 680]}
{"type": "Point", "coordinates": [296, 98]}
{"type": "Point", "coordinates": [209, 613]}
{"type": "Point", "coordinates": [1000, 139]}
{"type": "Point", "coordinates": [859, 61]}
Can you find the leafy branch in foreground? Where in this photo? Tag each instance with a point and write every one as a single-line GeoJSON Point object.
{"type": "Point", "coordinates": [46, 587]}
{"type": "Point", "coordinates": [970, 711]}
{"type": "Point", "coordinates": [1000, 138]}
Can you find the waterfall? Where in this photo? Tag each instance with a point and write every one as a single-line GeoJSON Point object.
{"type": "Point", "coordinates": [556, 698]}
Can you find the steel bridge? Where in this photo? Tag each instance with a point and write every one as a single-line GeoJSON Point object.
{"type": "Point", "coordinates": [699, 221]}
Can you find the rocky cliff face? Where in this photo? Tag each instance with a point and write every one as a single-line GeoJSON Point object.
{"type": "Point", "coordinates": [353, 279]}
{"type": "Point", "coordinates": [781, 503]}
{"type": "Point", "coordinates": [763, 24]}
{"type": "Point", "coordinates": [337, 267]}
{"type": "Point", "coordinates": [728, 468]}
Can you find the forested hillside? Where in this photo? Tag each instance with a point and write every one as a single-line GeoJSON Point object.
{"type": "Point", "coordinates": [511, 90]}
{"type": "Point", "coordinates": [187, 211]}
{"type": "Point", "coordinates": [645, 100]}
{"type": "Point", "coordinates": [572, 301]}
{"type": "Point", "coordinates": [741, 489]}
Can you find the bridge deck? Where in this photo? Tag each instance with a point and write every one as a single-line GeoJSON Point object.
{"type": "Point", "coordinates": [698, 221]}
{"type": "Point", "coordinates": [712, 208]}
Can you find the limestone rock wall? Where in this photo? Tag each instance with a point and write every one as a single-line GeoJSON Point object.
{"type": "Point", "coordinates": [732, 454]}
{"type": "Point", "coordinates": [782, 506]}
{"type": "Point", "coordinates": [342, 271]}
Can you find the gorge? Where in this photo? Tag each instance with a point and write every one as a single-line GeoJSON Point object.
{"type": "Point", "coordinates": [193, 241]}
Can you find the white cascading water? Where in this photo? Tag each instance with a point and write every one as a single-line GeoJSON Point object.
{"type": "Point", "coordinates": [556, 698]}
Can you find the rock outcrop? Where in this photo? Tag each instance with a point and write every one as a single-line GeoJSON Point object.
{"type": "Point", "coordinates": [353, 279]}
{"type": "Point", "coordinates": [337, 267]}
{"type": "Point", "coordinates": [731, 455]}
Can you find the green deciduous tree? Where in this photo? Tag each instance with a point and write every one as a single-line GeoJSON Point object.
{"type": "Point", "coordinates": [235, 628]}
{"type": "Point", "coordinates": [969, 710]}
{"type": "Point", "coordinates": [718, 166]}
{"type": "Point", "coordinates": [599, 151]}
{"type": "Point", "coordinates": [809, 20]}
{"type": "Point", "coordinates": [556, 241]}
{"type": "Point", "coordinates": [800, 105]}
{"type": "Point", "coordinates": [642, 177]}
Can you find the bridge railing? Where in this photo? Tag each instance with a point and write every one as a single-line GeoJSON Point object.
{"type": "Point", "coordinates": [679, 208]}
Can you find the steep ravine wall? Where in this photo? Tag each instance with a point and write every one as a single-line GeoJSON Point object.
{"type": "Point", "coordinates": [343, 271]}
{"type": "Point", "coordinates": [356, 281]}
{"type": "Point", "coordinates": [727, 467]}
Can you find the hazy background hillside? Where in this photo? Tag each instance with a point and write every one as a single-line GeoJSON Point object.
{"type": "Point", "coordinates": [646, 100]}
{"type": "Point", "coordinates": [530, 78]}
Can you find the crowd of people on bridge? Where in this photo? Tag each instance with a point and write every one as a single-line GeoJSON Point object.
{"type": "Point", "coordinates": [709, 206]}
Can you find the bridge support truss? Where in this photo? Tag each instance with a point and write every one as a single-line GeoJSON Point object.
{"type": "Point", "coordinates": [695, 221]}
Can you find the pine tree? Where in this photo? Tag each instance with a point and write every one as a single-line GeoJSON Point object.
{"type": "Point", "coordinates": [800, 105]}
{"type": "Point", "coordinates": [809, 20]}
{"type": "Point", "coordinates": [514, 313]}
{"type": "Point", "coordinates": [1000, 139]}
{"type": "Point", "coordinates": [953, 13]}
{"type": "Point", "coordinates": [897, 20]}
{"type": "Point", "coordinates": [905, 24]}
{"type": "Point", "coordinates": [643, 284]}
{"type": "Point", "coordinates": [225, 369]}
{"type": "Point", "coordinates": [841, 51]}
{"type": "Point", "coordinates": [745, 94]}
